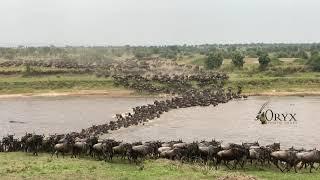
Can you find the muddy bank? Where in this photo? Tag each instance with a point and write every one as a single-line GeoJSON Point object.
{"type": "Point", "coordinates": [131, 93]}
{"type": "Point", "coordinates": [284, 93]}
{"type": "Point", "coordinates": [107, 93]}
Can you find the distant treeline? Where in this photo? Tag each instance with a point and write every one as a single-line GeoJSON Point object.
{"type": "Point", "coordinates": [109, 53]}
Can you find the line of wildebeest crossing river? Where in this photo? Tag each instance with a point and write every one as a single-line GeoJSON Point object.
{"type": "Point", "coordinates": [87, 142]}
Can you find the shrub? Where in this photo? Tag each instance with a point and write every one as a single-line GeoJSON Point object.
{"type": "Point", "coordinates": [314, 62]}
{"type": "Point", "coordinates": [264, 61]}
{"type": "Point", "coordinates": [214, 61]}
{"type": "Point", "coordinates": [237, 59]}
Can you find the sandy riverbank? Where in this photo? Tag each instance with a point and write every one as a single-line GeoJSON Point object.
{"type": "Point", "coordinates": [108, 93]}
{"type": "Point", "coordinates": [284, 93]}
{"type": "Point", "coordinates": [130, 93]}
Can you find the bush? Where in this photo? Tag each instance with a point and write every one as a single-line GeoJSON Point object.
{"type": "Point", "coordinates": [214, 61]}
{"type": "Point", "coordinates": [314, 62]}
{"type": "Point", "coordinates": [264, 60]}
{"type": "Point", "coordinates": [237, 59]}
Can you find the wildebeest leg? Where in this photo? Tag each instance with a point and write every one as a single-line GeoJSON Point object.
{"type": "Point", "coordinates": [289, 166]}
{"type": "Point", "coordinates": [261, 162]}
{"type": "Point", "coordinates": [226, 164]}
{"type": "Point", "coordinates": [301, 166]}
{"type": "Point", "coordinates": [276, 163]}
{"type": "Point", "coordinates": [235, 164]}
{"type": "Point", "coordinates": [217, 163]}
{"type": "Point", "coordinates": [311, 166]}
{"type": "Point", "coordinates": [53, 152]}
{"type": "Point", "coordinates": [295, 168]}
{"type": "Point", "coordinates": [243, 163]}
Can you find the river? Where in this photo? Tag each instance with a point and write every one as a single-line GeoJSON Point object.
{"type": "Point", "coordinates": [230, 122]}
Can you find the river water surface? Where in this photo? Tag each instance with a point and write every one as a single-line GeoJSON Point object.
{"type": "Point", "coordinates": [230, 122]}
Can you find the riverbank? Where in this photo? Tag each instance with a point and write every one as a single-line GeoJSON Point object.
{"type": "Point", "coordinates": [85, 85]}
{"type": "Point", "coordinates": [131, 94]}
{"type": "Point", "coordinates": [25, 166]}
{"type": "Point", "coordinates": [107, 93]}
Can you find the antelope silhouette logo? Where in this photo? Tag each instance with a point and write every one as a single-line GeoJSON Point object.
{"type": "Point", "coordinates": [262, 114]}
{"type": "Point", "coordinates": [268, 115]}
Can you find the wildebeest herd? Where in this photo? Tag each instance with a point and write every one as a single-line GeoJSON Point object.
{"type": "Point", "coordinates": [187, 91]}
{"type": "Point", "coordinates": [204, 152]}
{"type": "Point", "coordinates": [184, 96]}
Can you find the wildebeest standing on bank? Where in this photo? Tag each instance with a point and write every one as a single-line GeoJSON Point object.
{"type": "Point", "coordinates": [10, 144]}
{"type": "Point", "coordinates": [91, 141]}
{"type": "Point", "coordinates": [34, 143]}
{"type": "Point", "coordinates": [64, 146]}
{"type": "Point", "coordinates": [79, 147]}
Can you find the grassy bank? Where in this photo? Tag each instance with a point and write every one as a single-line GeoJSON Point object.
{"type": "Point", "coordinates": [21, 166]}
{"type": "Point", "coordinates": [62, 83]}
{"type": "Point", "coordinates": [302, 83]}
{"type": "Point", "coordinates": [289, 77]}
{"type": "Point", "coordinates": [265, 85]}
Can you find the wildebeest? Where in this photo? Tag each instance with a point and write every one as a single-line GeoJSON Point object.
{"type": "Point", "coordinates": [172, 154]}
{"type": "Point", "coordinates": [248, 145]}
{"type": "Point", "coordinates": [122, 150]}
{"type": "Point", "coordinates": [97, 150]}
{"type": "Point", "coordinates": [309, 157]}
{"type": "Point", "coordinates": [260, 154]}
{"type": "Point", "coordinates": [91, 141]}
{"type": "Point", "coordinates": [140, 151]}
{"type": "Point", "coordinates": [64, 146]}
{"type": "Point", "coordinates": [79, 147]}
{"type": "Point", "coordinates": [107, 148]}
{"type": "Point", "coordinates": [287, 156]}
{"type": "Point", "coordinates": [34, 143]}
{"type": "Point", "coordinates": [236, 154]}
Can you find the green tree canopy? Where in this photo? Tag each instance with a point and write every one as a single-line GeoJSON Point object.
{"type": "Point", "coordinates": [314, 62]}
{"type": "Point", "coordinates": [213, 61]}
{"type": "Point", "coordinates": [264, 60]}
{"type": "Point", "coordinates": [237, 59]}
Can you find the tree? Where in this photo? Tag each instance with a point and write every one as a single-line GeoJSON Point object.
{"type": "Point", "coordinates": [302, 54]}
{"type": "Point", "coordinates": [264, 60]}
{"type": "Point", "coordinates": [214, 61]}
{"type": "Point", "coordinates": [314, 62]}
{"type": "Point", "coordinates": [237, 59]}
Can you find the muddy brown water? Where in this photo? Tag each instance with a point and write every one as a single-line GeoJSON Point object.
{"type": "Point", "coordinates": [230, 122]}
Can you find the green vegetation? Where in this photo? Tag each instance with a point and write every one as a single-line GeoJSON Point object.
{"type": "Point", "coordinates": [237, 59]}
{"type": "Point", "coordinates": [34, 84]}
{"type": "Point", "coordinates": [25, 166]}
{"type": "Point", "coordinates": [314, 62]}
{"type": "Point", "coordinates": [264, 61]}
{"type": "Point", "coordinates": [214, 61]}
{"type": "Point", "coordinates": [260, 68]}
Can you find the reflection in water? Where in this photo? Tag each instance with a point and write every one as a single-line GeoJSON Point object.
{"type": "Point", "coordinates": [231, 122]}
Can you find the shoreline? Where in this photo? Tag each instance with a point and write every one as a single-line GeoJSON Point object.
{"type": "Point", "coordinates": [132, 94]}
{"type": "Point", "coordinates": [107, 93]}
{"type": "Point", "coordinates": [284, 93]}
